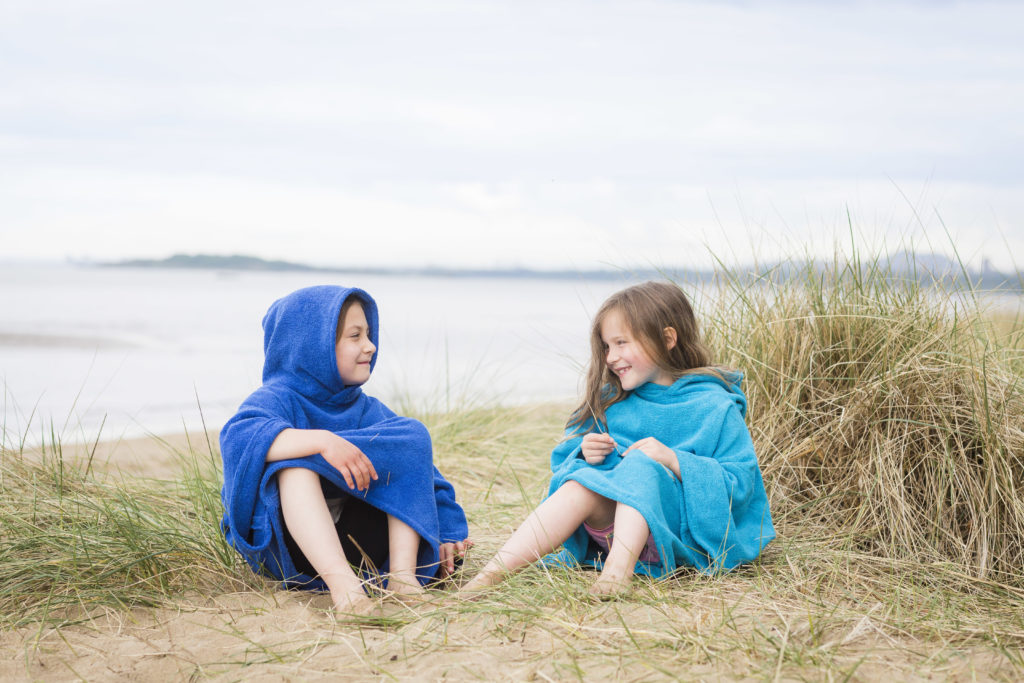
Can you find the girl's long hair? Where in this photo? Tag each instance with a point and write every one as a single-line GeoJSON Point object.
{"type": "Point", "coordinates": [647, 309]}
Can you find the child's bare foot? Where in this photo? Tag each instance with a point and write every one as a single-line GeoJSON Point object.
{"type": "Point", "coordinates": [347, 593]}
{"type": "Point", "coordinates": [611, 584]}
{"type": "Point", "coordinates": [481, 582]}
{"type": "Point", "coordinates": [406, 588]}
{"type": "Point", "coordinates": [353, 602]}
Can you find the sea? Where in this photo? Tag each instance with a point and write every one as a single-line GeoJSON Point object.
{"type": "Point", "coordinates": [89, 352]}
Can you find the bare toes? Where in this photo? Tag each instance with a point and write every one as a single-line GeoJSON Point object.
{"type": "Point", "coordinates": [609, 587]}
{"type": "Point", "coordinates": [358, 605]}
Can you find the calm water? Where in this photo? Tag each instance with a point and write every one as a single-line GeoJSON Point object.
{"type": "Point", "coordinates": [153, 351]}
{"type": "Point", "coordinates": [145, 349]}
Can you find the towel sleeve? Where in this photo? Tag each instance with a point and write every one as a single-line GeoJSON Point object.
{"type": "Point", "coordinates": [450, 516]}
{"type": "Point", "coordinates": [244, 441]}
{"type": "Point", "coordinates": [723, 496]}
{"type": "Point", "coordinates": [566, 451]}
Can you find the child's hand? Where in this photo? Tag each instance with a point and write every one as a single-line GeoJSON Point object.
{"type": "Point", "coordinates": [656, 451]}
{"type": "Point", "coordinates": [349, 460]}
{"type": "Point", "coordinates": [449, 551]}
{"type": "Point", "coordinates": [596, 447]}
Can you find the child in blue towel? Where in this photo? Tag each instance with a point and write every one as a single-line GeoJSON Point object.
{"type": "Point", "coordinates": [657, 470]}
{"type": "Point", "coordinates": [318, 476]}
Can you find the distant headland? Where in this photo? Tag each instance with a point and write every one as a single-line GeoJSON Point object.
{"type": "Point", "coordinates": [925, 268]}
{"type": "Point", "coordinates": [253, 263]}
{"type": "Point", "coordinates": [210, 261]}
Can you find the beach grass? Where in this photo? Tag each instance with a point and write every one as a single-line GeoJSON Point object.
{"type": "Point", "coordinates": [888, 420]}
{"type": "Point", "coordinates": [73, 538]}
{"type": "Point", "coordinates": [886, 409]}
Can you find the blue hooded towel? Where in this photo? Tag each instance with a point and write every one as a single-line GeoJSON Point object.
{"type": "Point", "coordinates": [302, 389]}
{"type": "Point", "coordinates": [716, 516]}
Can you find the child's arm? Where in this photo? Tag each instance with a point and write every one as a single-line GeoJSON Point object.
{"type": "Point", "coordinates": [341, 453]}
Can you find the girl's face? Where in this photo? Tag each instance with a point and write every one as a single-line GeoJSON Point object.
{"type": "Point", "coordinates": [354, 349]}
{"type": "Point", "coordinates": [625, 356]}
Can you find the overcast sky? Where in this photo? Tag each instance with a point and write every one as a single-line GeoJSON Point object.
{"type": "Point", "coordinates": [564, 133]}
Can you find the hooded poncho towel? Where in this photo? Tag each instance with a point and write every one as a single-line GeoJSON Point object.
{"type": "Point", "coordinates": [715, 516]}
{"type": "Point", "coordinates": [302, 389]}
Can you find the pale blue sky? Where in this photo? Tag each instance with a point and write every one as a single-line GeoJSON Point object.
{"type": "Point", "coordinates": [541, 134]}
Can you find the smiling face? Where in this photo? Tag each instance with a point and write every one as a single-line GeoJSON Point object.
{"type": "Point", "coordinates": [625, 356]}
{"type": "Point", "coordinates": [354, 350]}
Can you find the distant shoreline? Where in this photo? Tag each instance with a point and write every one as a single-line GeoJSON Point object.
{"type": "Point", "coordinates": [925, 268]}
{"type": "Point", "coordinates": [252, 263]}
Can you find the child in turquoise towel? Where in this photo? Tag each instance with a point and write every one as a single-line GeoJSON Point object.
{"type": "Point", "coordinates": [657, 470]}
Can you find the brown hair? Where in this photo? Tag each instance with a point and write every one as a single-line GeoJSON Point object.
{"type": "Point", "coordinates": [647, 309]}
{"type": "Point", "coordinates": [341, 316]}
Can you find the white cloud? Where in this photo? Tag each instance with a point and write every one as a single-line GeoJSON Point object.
{"type": "Point", "coordinates": [541, 134]}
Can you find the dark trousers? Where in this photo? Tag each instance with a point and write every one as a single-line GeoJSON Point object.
{"type": "Point", "coordinates": [363, 530]}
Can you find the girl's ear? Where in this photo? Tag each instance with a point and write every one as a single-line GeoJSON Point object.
{"type": "Point", "coordinates": [670, 338]}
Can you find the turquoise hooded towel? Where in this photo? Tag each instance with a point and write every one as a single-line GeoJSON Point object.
{"type": "Point", "coordinates": [716, 515]}
{"type": "Point", "coordinates": [302, 389]}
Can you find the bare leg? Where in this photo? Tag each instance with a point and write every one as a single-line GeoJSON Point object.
{"type": "Point", "coordinates": [310, 524]}
{"type": "Point", "coordinates": [403, 544]}
{"type": "Point", "coordinates": [545, 529]}
{"type": "Point", "coordinates": [631, 534]}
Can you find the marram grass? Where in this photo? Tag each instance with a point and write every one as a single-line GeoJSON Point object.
{"type": "Point", "coordinates": [886, 411]}
{"type": "Point", "coordinates": [72, 539]}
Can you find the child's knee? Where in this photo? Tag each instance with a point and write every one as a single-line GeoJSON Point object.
{"type": "Point", "coordinates": [628, 512]}
{"type": "Point", "coordinates": [298, 480]}
{"type": "Point", "coordinates": [579, 491]}
{"type": "Point", "coordinates": [572, 488]}
{"type": "Point", "coordinates": [419, 429]}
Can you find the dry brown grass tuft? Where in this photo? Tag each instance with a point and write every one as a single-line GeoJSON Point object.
{"type": "Point", "coordinates": [887, 411]}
